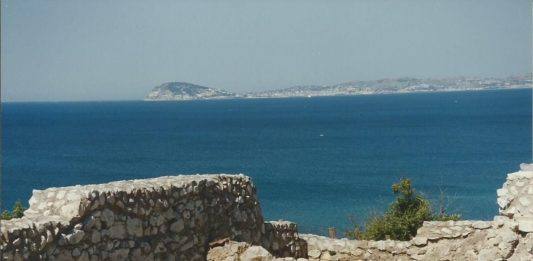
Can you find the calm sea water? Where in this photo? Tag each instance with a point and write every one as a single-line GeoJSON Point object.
{"type": "Point", "coordinates": [315, 161]}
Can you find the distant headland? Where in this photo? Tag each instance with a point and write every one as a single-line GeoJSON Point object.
{"type": "Point", "coordinates": [179, 91]}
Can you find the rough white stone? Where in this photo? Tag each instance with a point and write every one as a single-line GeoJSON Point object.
{"type": "Point", "coordinates": [524, 200]}
{"type": "Point", "coordinates": [525, 224]}
{"type": "Point", "coordinates": [526, 167]}
{"type": "Point", "coordinates": [481, 225]}
{"type": "Point", "coordinates": [256, 253]}
{"type": "Point", "coordinates": [501, 192]}
{"type": "Point", "coordinates": [75, 237]}
{"type": "Point", "coordinates": [420, 241]}
{"type": "Point", "coordinates": [314, 253]}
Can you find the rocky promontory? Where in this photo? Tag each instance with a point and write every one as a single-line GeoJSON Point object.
{"type": "Point", "coordinates": [178, 91]}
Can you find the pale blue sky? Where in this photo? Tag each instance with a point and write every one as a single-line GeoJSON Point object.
{"type": "Point", "coordinates": [119, 50]}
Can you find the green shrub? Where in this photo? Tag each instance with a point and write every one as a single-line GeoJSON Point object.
{"type": "Point", "coordinates": [403, 218]}
{"type": "Point", "coordinates": [18, 212]}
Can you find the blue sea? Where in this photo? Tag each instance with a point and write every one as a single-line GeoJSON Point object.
{"type": "Point", "coordinates": [321, 162]}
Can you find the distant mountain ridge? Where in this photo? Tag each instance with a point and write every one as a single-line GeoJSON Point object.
{"type": "Point", "coordinates": [175, 91]}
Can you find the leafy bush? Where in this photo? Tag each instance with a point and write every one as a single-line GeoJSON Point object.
{"type": "Point", "coordinates": [403, 218]}
{"type": "Point", "coordinates": [18, 212]}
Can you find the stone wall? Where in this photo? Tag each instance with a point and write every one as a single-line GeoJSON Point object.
{"type": "Point", "coordinates": [167, 218]}
{"type": "Point", "coordinates": [218, 217]}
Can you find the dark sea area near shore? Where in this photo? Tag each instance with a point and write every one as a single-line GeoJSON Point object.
{"type": "Point", "coordinates": [320, 162]}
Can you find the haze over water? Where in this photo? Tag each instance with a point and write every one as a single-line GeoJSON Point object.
{"type": "Point", "coordinates": [117, 50]}
{"type": "Point", "coordinates": [315, 161]}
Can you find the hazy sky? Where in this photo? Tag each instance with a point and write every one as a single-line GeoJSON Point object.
{"type": "Point", "coordinates": [119, 50]}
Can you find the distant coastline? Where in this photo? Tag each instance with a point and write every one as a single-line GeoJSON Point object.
{"type": "Point", "coordinates": [241, 98]}
{"type": "Point", "coordinates": [399, 93]}
{"type": "Point", "coordinates": [181, 91]}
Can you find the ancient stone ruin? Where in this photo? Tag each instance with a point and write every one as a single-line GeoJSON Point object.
{"type": "Point", "coordinates": [218, 217]}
